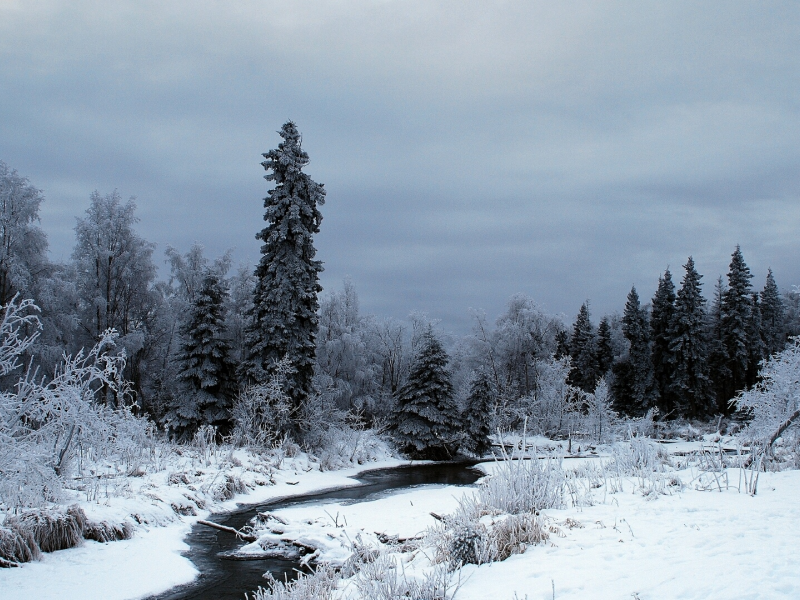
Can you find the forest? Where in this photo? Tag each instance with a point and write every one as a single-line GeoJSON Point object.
{"type": "Point", "coordinates": [259, 355]}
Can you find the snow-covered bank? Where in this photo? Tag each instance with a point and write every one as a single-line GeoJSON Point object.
{"type": "Point", "coordinates": [161, 505]}
{"type": "Point", "coordinates": [689, 541]}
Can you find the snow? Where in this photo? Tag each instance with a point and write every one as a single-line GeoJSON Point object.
{"type": "Point", "coordinates": [685, 545]}
{"type": "Point", "coordinates": [151, 562]}
{"type": "Point", "coordinates": [688, 544]}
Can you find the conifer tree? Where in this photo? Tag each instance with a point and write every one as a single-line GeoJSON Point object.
{"type": "Point", "coordinates": [476, 414]}
{"type": "Point", "coordinates": [694, 395]}
{"type": "Point", "coordinates": [661, 323]}
{"type": "Point", "coordinates": [583, 352]}
{"type": "Point", "coordinates": [205, 371]}
{"type": "Point", "coordinates": [605, 352]}
{"type": "Point", "coordinates": [635, 389]}
{"type": "Point", "coordinates": [756, 350]}
{"type": "Point", "coordinates": [717, 355]}
{"type": "Point", "coordinates": [285, 300]}
{"type": "Point", "coordinates": [772, 317]}
{"type": "Point", "coordinates": [735, 316]}
{"type": "Point", "coordinates": [426, 421]}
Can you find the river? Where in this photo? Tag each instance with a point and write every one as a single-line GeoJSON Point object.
{"type": "Point", "coordinates": [226, 579]}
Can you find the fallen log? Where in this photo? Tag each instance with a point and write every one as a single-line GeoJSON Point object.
{"type": "Point", "coordinates": [241, 535]}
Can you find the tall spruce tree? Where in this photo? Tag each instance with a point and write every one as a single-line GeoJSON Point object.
{"type": "Point", "coordinates": [605, 350]}
{"type": "Point", "coordinates": [772, 317]}
{"type": "Point", "coordinates": [205, 370]}
{"type": "Point", "coordinates": [634, 384]}
{"type": "Point", "coordinates": [735, 317]}
{"type": "Point", "coordinates": [285, 299]}
{"type": "Point", "coordinates": [756, 350]}
{"type": "Point", "coordinates": [426, 422]}
{"type": "Point", "coordinates": [477, 411]}
{"type": "Point", "coordinates": [717, 355]}
{"type": "Point", "coordinates": [694, 395]}
{"type": "Point", "coordinates": [661, 323]}
{"type": "Point", "coordinates": [583, 350]}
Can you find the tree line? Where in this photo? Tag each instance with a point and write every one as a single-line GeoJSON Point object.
{"type": "Point", "coordinates": [218, 346]}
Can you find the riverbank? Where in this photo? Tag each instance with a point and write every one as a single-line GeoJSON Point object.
{"type": "Point", "coordinates": [162, 505]}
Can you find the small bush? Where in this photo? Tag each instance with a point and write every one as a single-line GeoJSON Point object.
{"type": "Point", "coordinates": [315, 586]}
{"type": "Point", "coordinates": [233, 485]}
{"type": "Point", "coordinates": [380, 580]}
{"type": "Point", "coordinates": [52, 530]}
{"type": "Point", "coordinates": [18, 546]}
{"type": "Point", "coordinates": [107, 532]}
{"type": "Point", "coordinates": [524, 486]}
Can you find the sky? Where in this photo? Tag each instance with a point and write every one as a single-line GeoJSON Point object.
{"type": "Point", "coordinates": [470, 149]}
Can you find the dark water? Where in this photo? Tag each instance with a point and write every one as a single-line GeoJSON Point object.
{"type": "Point", "coordinates": [225, 579]}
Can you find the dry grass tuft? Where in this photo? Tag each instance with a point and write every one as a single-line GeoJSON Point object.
{"type": "Point", "coordinates": [18, 546]}
{"type": "Point", "coordinates": [51, 530]}
{"type": "Point", "coordinates": [107, 532]}
{"type": "Point", "coordinates": [233, 485]}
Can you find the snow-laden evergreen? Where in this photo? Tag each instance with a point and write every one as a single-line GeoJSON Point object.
{"type": "Point", "coordinates": [735, 315]}
{"type": "Point", "coordinates": [205, 369]}
{"type": "Point", "coordinates": [583, 350]}
{"type": "Point", "coordinates": [426, 422]}
{"type": "Point", "coordinates": [662, 316]}
{"type": "Point", "coordinates": [284, 318]}
{"type": "Point", "coordinates": [477, 413]}
{"type": "Point", "coordinates": [690, 384]}
{"type": "Point", "coordinates": [634, 383]}
{"type": "Point", "coordinates": [772, 317]}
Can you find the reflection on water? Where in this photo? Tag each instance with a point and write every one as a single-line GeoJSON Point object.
{"type": "Point", "coordinates": [224, 579]}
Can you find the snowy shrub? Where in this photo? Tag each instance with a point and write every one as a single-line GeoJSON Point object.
{"type": "Point", "coordinates": [262, 413]}
{"type": "Point", "coordinates": [52, 529]}
{"type": "Point", "coordinates": [382, 579]}
{"type": "Point", "coordinates": [231, 486]}
{"type": "Point", "coordinates": [774, 402]}
{"type": "Point", "coordinates": [478, 534]}
{"type": "Point", "coordinates": [514, 533]}
{"type": "Point", "coordinates": [524, 486]}
{"type": "Point", "coordinates": [104, 531]}
{"type": "Point", "coordinates": [18, 546]}
{"type": "Point", "coordinates": [319, 585]}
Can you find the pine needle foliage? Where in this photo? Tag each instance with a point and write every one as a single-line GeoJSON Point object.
{"type": "Point", "coordinates": [285, 307]}
{"type": "Point", "coordinates": [205, 366]}
{"type": "Point", "coordinates": [691, 385]}
{"type": "Point", "coordinates": [476, 415]}
{"type": "Point", "coordinates": [426, 420]}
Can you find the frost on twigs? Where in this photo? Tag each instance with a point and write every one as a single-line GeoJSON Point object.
{"type": "Point", "coordinates": [774, 402]}
{"type": "Point", "coordinates": [45, 425]}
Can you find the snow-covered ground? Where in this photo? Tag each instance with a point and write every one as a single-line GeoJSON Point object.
{"type": "Point", "coordinates": [151, 562]}
{"type": "Point", "coordinates": [683, 544]}
{"type": "Point", "coordinates": [687, 544]}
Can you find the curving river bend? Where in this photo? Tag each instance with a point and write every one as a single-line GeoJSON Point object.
{"type": "Point", "coordinates": [226, 579]}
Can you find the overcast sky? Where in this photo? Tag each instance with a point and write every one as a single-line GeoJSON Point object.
{"type": "Point", "coordinates": [470, 149]}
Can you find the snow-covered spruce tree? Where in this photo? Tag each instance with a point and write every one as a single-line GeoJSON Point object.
{"type": "Point", "coordinates": [735, 314]}
{"type": "Point", "coordinates": [285, 302]}
{"type": "Point", "coordinates": [426, 423]}
{"type": "Point", "coordinates": [717, 355]}
{"type": "Point", "coordinates": [694, 395]}
{"type": "Point", "coordinates": [661, 323]}
{"type": "Point", "coordinates": [634, 384]}
{"type": "Point", "coordinates": [583, 352]}
{"type": "Point", "coordinates": [772, 317]}
{"type": "Point", "coordinates": [477, 413]}
{"type": "Point", "coordinates": [756, 350]}
{"type": "Point", "coordinates": [605, 349]}
{"type": "Point", "coordinates": [205, 368]}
